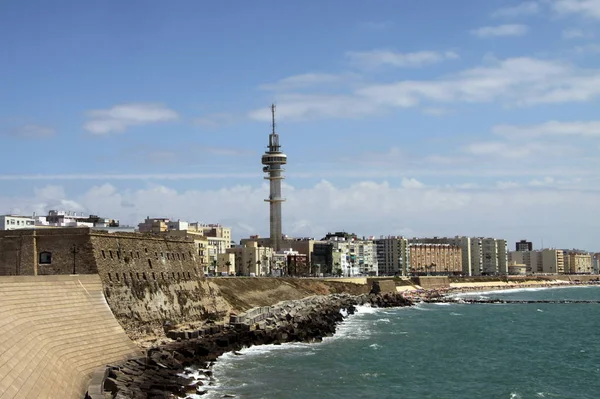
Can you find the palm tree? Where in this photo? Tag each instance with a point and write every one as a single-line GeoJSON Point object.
{"type": "Point", "coordinates": [228, 265]}
{"type": "Point", "coordinates": [258, 267]}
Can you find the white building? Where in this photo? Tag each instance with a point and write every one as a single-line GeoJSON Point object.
{"type": "Point", "coordinates": [13, 222]}
{"type": "Point", "coordinates": [356, 257]}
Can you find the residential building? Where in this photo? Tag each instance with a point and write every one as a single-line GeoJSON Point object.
{"type": "Point", "coordinates": [213, 230]}
{"type": "Point", "coordinates": [578, 262]}
{"type": "Point", "coordinates": [154, 225]}
{"type": "Point", "coordinates": [226, 264]}
{"type": "Point", "coordinates": [393, 255]}
{"type": "Point", "coordinates": [596, 263]}
{"type": "Point", "coordinates": [437, 259]}
{"type": "Point", "coordinates": [552, 261]}
{"type": "Point", "coordinates": [13, 222]}
{"type": "Point", "coordinates": [471, 265]}
{"type": "Point", "coordinates": [252, 259]}
{"type": "Point", "coordinates": [523, 246]}
{"type": "Point", "coordinates": [323, 260]}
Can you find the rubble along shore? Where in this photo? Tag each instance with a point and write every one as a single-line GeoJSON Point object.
{"type": "Point", "coordinates": [161, 374]}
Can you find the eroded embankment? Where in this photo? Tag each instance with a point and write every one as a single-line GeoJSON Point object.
{"type": "Point", "coordinates": [144, 307]}
{"type": "Point", "coordinates": [160, 374]}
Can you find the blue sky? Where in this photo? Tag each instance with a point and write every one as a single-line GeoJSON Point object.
{"type": "Point", "coordinates": [408, 117]}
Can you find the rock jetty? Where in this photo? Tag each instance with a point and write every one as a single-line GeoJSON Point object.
{"type": "Point", "coordinates": [162, 373]}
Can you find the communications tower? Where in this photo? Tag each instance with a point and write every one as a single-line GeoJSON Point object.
{"type": "Point", "coordinates": [273, 158]}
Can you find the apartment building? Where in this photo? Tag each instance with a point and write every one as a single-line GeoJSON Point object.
{"type": "Point", "coordinates": [435, 259]}
{"type": "Point", "coordinates": [393, 255]}
{"type": "Point", "coordinates": [252, 259]}
{"type": "Point", "coordinates": [552, 261]}
{"type": "Point", "coordinates": [578, 262]}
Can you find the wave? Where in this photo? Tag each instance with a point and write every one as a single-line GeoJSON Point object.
{"type": "Point", "coordinates": [514, 290]}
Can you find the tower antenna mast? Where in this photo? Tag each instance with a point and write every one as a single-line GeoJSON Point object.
{"type": "Point", "coordinates": [273, 116]}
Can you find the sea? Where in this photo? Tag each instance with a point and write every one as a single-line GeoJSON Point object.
{"type": "Point", "coordinates": [453, 351]}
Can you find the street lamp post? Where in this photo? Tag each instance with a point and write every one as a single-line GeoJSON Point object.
{"type": "Point", "coordinates": [74, 251]}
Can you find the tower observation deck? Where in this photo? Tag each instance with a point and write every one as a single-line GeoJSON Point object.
{"type": "Point", "coordinates": [273, 158]}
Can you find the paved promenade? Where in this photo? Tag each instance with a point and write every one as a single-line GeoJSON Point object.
{"type": "Point", "coordinates": [55, 331]}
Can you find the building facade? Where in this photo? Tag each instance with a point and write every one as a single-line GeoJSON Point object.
{"type": "Point", "coordinates": [393, 255]}
{"type": "Point", "coordinates": [435, 259]}
{"type": "Point", "coordinates": [523, 246]}
{"type": "Point", "coordinates": [577, 262]}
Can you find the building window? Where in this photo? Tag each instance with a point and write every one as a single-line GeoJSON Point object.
{"type": "Point", "coordinates": [183, 256]}
{"type": "Point", "coordinates": [45, 258]}
{"type": "Point", "coordinates": [103, 254]}
{"type": "Point", "coordinates": [111, 254]}
{"type": "Point", "coordinates": [168, 257]}
{"type": "Point", "coordinates": [150, 263]}
{"type": "Point", "coordinates": [138, 254]}
{"type": "Point", "coordinates": [118, 254]}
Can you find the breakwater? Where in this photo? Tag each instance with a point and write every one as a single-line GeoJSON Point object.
{"type": "Point", "coordinates": [504, 301]}
{"type": "Point", "coordinates": [162, 372]}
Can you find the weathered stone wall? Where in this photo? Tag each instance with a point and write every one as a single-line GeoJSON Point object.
{"type": "Point", "coordinates": [20, 252]}
{"type": "Point", "coordinates": [125, 257]}
{"type": "Point", "coordinates": [116, 256]}
{"type": "Point", "coordinates": [433, 281]}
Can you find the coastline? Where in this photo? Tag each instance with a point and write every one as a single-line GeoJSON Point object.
{"type": "Point", "coordinates": [442, 292]}
{"type": "Point", "coordinates": [162, 373]}
{"type": "Point", "coordinates": [183, 367]}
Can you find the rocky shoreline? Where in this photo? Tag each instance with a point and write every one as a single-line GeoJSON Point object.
{"type": "Point", "coordinates": [162, 373]}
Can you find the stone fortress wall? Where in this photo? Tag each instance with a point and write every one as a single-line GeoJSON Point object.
{"type": "Point", "coordinates": [117, 257]}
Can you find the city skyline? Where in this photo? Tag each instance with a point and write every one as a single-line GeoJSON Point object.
{"type": "Point", "coordinates": [482, 124]}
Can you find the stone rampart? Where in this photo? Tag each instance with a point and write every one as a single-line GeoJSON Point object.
{"type": "Point", "coordinates": [56, 331]}
{"type": "Point", "coordinates": [117, 257]}
{"type": "Point", "coordinates": [433, 281]}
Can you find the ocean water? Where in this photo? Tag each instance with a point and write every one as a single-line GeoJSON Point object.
{"type": "Point", "coordinates": [452, 351]}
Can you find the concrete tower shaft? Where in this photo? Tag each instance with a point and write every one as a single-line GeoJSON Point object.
{"type": "Point", "coordinates": [273, 158]}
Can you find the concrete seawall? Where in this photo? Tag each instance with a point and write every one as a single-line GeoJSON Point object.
{"type": "Point", "coordinates": [56, 331]}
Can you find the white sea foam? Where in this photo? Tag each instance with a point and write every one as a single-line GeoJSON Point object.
{"type": "Point", "coordinates": [513, 290]}
{"type": "Point", "coordinates": [442, 304]}
{"type": "Point", "coordinates": [455, 314]}
{"type": "Point", "coordinates": [386, 320]}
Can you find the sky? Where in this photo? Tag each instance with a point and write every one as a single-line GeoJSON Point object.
{"type": "Point", "coordinates": [415, 118]}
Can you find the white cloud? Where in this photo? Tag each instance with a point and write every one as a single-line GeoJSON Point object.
{"type": "Point", "coordinates": [587, 8]}
{"type": "Point", "coordinates": [590, 48]}
{"type": "Point", "coordinates": [298, 106]}
{"type": "Point", "coordinates": [522, 81]}
{"type": "Point", "coordinates": [500, 30]}
{"type": "Point", "coordinates": [376, 58]}
{"type": "Point", "coordinates": [120, 117]}
{"type": "Point", "coordinates": [31, 131]}
{"type": "Point", "coordinates": [550, 129]}
{"type": "Point", "coordinates": [573, 33]}
{"type": "Point", "coordinates": [366, 207]}
{"type": "Point", "coordinates": [517, 150]}
{"type": "Point", "coordinates": [310, 80]}
{"type": "Point", "coordinates": [436, 111]}
{"type": "Point", "coordinates": [525, 8]}
{"type": "Point", "coordinates": [131, 176]}
{"type": "Point", "coordinates": [214, 120]}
